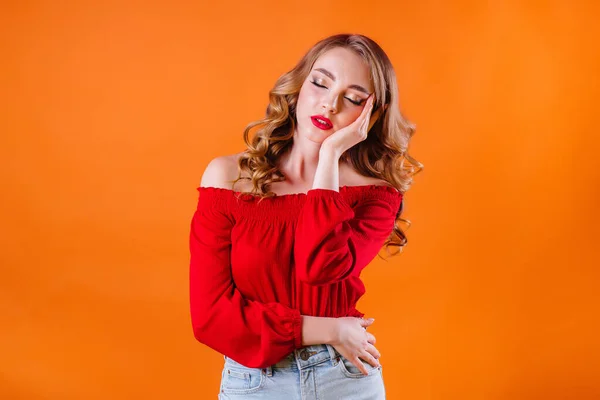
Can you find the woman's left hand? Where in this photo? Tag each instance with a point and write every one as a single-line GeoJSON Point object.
{"type": "Point", "coordinates": [354, 133]}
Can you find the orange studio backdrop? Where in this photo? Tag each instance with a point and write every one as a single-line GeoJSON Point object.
{"type": "Point", "coordinates": [112, 110]}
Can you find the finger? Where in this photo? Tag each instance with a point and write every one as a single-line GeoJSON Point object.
{"type": "Point", "coordinates": [371, 117]}
{"type": "Point", "coordinates": [366, 111]}
{"type": "Point", "coordinates": [373, 351]}
{"type": "Point", "coordinates": [358, 364]}
{"type": "Point", "coordinates": [370, 338]}
{"type": "Point", "coordinates": [370, 359]}
{"type": "Point", "coordinates": [362, 129]}
{"type": "Point", "coordinates": [366, 322]}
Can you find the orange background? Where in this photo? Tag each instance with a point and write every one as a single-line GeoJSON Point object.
{"type": "Point", "coordinates": [111, 111]}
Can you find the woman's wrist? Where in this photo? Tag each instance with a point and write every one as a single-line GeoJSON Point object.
{"type": "Point", "coordinates": [319, 330]}
{"type": "Point", "coordinates": [328, 170]}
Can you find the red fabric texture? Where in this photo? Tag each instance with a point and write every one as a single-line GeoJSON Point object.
{"type": "Point", "coordinates": [257, 265]}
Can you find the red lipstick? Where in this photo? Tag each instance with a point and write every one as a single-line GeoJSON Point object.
{"type": "Point", "coordinates": [321, 122]}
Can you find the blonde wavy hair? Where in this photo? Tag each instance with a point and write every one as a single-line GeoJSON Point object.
{"type": "Point", "coordinates": [383, 154]}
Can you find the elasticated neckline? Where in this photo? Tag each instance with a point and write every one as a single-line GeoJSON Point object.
{"type": "Point", "coordinates": [286, 207]}
{"type": "Point", "coordinates": [295, 195]}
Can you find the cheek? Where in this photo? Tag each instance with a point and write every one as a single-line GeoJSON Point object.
{"type": "Point", "coordinates": [309, 92]}
{"type": "Point", "coordinates": [306, 98]}
{"type": "Point", "coordinates": [301, 99]}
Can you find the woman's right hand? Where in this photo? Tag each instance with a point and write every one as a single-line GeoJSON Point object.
{"type": "Point", "coordinates": [354, 343]}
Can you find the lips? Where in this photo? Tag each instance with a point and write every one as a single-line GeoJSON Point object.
{"type": "Point", "coordinates": [321, 122]}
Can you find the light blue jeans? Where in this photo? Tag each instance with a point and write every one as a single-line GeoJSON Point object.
{"type": "Point", "coordinates": [310, 373]}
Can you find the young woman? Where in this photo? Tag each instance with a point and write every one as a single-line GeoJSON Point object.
{"type": "Point", "coordinates": [275, 262]}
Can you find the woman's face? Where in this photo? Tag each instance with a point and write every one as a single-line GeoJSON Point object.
{"type": "Point", "coordinates": [333, 94]}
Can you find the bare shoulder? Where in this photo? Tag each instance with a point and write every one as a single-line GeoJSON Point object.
{"type": "Point", "coordinates": [221, 171]}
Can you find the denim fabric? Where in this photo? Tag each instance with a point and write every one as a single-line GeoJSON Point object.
{"type": "Point", "coordinates": [310, 373]}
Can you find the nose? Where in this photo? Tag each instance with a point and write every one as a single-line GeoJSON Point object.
{"type": "Point", "coordinates": [330, 104]}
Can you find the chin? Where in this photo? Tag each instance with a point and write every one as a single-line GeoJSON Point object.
{"type": "Point", "coordinates": [313, 133]}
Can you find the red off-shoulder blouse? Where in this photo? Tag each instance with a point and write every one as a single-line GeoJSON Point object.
{"type": "Point", "coordinates": [256, 267]}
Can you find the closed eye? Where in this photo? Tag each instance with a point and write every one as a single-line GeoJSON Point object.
{"type": "Point", "coordinates": [357, 103]}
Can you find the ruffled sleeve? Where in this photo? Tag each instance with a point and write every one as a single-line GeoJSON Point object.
{"type": "Point", "coordinates": [334, 240]}
{"type": "Point", "coordinates": [252, 333]}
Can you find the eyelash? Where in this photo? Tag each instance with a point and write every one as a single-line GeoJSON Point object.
{"type": "Point", "coordinates": [351, 101]}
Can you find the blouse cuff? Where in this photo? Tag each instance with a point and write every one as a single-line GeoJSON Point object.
{"type": "Point", "coordinates": [297, 328]}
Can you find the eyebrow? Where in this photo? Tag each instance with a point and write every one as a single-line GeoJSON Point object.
{"type": "Point", "coordinates": [330, 75]}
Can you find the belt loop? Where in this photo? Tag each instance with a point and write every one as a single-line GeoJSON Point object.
{"type": "Point", "coordinates": [332, 354]}
{"type": "Point", "coordinates": [268, 371]}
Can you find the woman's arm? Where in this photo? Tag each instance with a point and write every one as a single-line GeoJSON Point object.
{"type": "Point", "coordinates": [253, 333]}
{"type": "Point", "coordinates": [334, 240]}
{"type": "Point", "coordinates": [347, 334]}
{"type": "Point", "coordinates": [319, 330]}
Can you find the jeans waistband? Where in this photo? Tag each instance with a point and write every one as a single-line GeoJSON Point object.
{"type": "Point", "coordinates": [304, 357]}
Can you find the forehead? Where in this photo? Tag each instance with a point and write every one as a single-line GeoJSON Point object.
{"type": "Point", "coordinates": [347, 67]}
